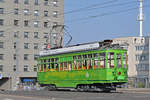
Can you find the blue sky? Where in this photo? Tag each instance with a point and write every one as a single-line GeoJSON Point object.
{"type": "Point", "coordinates": [108, 26]}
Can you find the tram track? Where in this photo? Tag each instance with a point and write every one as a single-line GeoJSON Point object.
{"type": "Point", "coordinates": [75, 95]}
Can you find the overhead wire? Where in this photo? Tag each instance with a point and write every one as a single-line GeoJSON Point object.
{"type": "Point", "coordinates": [113, 5]}
{"type": "Point", "coordinates": [73, 11]}
{"type": "Point", "coordinates": [105, 5]}
{"type": "Point", "coordinates": [105, 14]}
{"type": "Point", "coordinates": [88, 7]}
{"type": "Point", "coordinates": [93, 7]}
{"type": "Point", "coordinates": [67, 32]}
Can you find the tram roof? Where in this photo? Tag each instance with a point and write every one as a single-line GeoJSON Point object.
{"type": "Point", "coordinates": [78, 48]}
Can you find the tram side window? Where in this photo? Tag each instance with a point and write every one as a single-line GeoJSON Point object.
{"type": "Point", "coordinates": [42, 61]}
{"type": "Point", "coordinates": [49, 66]}
{"type": "Point", "coordinates": [110, 60]}
{"type": "Point", "coordinates": [49, 60]}
{"type": "Point", "coordinates": [65, 66]}
{"type": "Point", "coordinates": [41, 67]}
{"type": "Point", "coordinates": [102, 60]}
{"type": "Point", "coordinates": [119, 60]}
{"type": "Point", "coordinates": [52, 64]}
{"type": "Point", "coordinates": [96, 61]}
{"type": "Point", "coordinates": [56, 64]}
{"type": "Point", "coordinates": [84, 61]}
{"type": "Point", "coordinates": [124, 60]}
{"type": "Point", "coordinates": [44, 65]}
{"type": "Point", "coordinates": [61, 66]}
{"type": "Point", "coordinates": [74, 63]}
{"type": "Point", "coordinates": [90, 61]}
{"type": "Point", "coordinates": [79, 62]}
{"type": "Point", "coordinates": [69, 66]}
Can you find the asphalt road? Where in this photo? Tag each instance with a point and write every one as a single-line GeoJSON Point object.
{"type": "Point", "coordinates": [16, 97]}
{"type": "Point", "coordinates": [68, 95]}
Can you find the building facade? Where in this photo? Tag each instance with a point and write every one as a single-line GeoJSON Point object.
{"type": "Point", "coordinates": [25, 27]}
{"type": "Point", "coordinates": [138, 60]}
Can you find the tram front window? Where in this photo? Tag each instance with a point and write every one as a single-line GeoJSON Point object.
{"type": "Point", "coordinates": [124, 60]}
{"type": "Point", "coordinates": [119, 60]}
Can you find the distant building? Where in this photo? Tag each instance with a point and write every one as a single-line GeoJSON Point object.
{"type": "Point", "coordinates": [138, 60]}
{"type": "Point", "coordinates": [25, 26]}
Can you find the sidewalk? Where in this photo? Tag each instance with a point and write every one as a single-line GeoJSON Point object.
{"type": "Point", "coordinates": [140, 90]}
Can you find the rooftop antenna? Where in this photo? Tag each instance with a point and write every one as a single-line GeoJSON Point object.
{"type": "Point", "coordinates": [140, 17]}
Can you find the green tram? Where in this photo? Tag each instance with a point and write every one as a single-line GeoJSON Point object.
{"type": "Point", "coordinates": [101, 66]}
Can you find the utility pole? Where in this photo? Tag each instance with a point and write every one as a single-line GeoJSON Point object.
{"type": "Point", "coordinates": [140, 17]}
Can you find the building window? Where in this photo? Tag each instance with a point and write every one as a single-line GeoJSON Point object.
{"type": "Point", "coordinates": [35, 45]}
{"type": "Point", "coordinates": [1, 10]}
{"type": "Point", "coordinates": [55, 3]}
{"type": "Point", "coordinates": [55, 23]}
{"type": "Point", "coordinates": [1, 33]}
{"type": "Point", "coordinates": [1, 68]}
{"type": "Point", "coordinates": [16, 1]}
{"type": "Point", "coordinates": [141, 47]}
{"type": "Point", "coordinates": [14, 45]}
{"type": "Point", "coordinates": [36, 23]}
{"type": "Point", "coordinates": [16, 34]}
{"type": "Point", "coordinates": [36, 57]}
{"type": "Point", "coordinates": [26, 34]}
{"type": "Point", "coordinates": [45, 13]}
{"type": "Point", "coordinates": [26, 23]}
{"type": "Point", "coordinates": [16, 22]}
{"type": "Point", "coordinates": [45, 2]}
{"type": "Point", "coordinates": [54, 35]}
{"type": "Point", "coordinates": [137, 57]}
{"type": "Point", "coordinates": [1, 45]}
{"type": "Point", "coordinates": [1, 22]}
{"type": "Point", "coordinates": [26, 56]}
{"type": "Point", "coordinates": [45, 45]}
{"type": "Point", "coordinates": [55, 14]}
{"type": "Point", "coordinates": [14, 69]}
{"type": "Point", "coordinates": [35, 68]}
{"type": "Point", "coordinates": [35, 34]}
{"type": "Point", "coordinates": [1, 56]}
{"type": "Point", "coordinates": [26, 11]}
{"type": "Point", "coordinates": [26, 45]}
{"type": "Point", "coordinates": [45, 24]}
{"type": "Point", "coordinates": [141, 57]}
{"type": "Point", "coordinates": [35, 12]}
{"type": "Point", "coordinates": [26, 1]}
{"type": "Point", "coordinates": [35, 2]}
{"type": "Point", "coordinates": [45, 35]}
{"type": "Point", "coordinates": [25, 68]}
{"type": "Point", "coordinates": [14, 56]}
{"type": "Point", "coordinates": [16, 11]}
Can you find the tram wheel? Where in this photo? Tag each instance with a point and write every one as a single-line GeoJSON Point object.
{"type": "Point", "coordinates": [51, 87]}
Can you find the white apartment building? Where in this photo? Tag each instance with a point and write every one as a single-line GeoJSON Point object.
{"type": "Point", "coordinates": [25, 26]}
{"type": "Point", "coordinates": [138, 60]}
